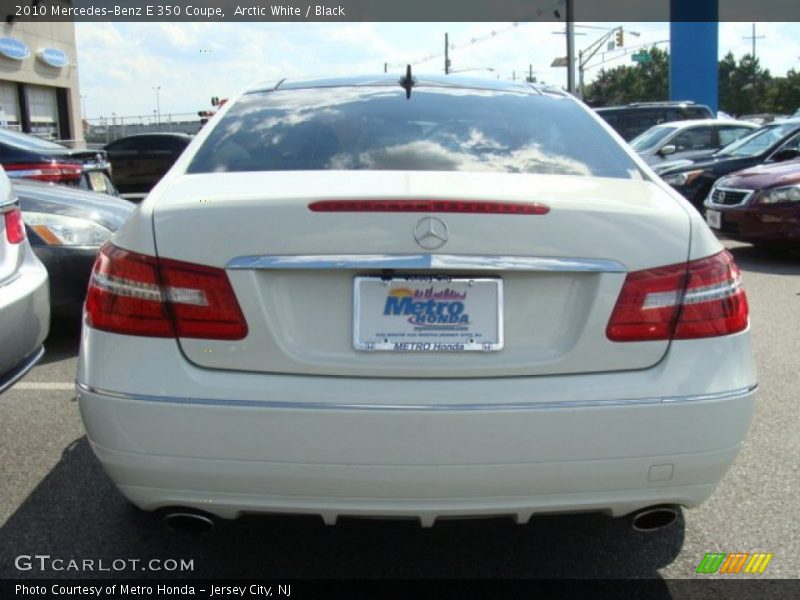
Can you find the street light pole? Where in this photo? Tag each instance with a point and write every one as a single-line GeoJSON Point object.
{"type": "Point", "coordinates": [158, 105]}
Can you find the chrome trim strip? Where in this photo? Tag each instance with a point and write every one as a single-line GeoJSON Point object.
{"type": "Point", "coordinates": [427, 261]}
{"type": "Point", "coordinates": [81, 387]}
{"type": "Point", "coordinates": [22, 369]}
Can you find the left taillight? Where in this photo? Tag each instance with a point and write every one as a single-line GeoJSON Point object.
{"type": "Point", "coordinates": [15, 228]}
{"type": "Point", "coordinates": [136, 294]}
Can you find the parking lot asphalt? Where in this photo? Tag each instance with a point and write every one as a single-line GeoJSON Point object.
{"type": "Point", "coordinates": [56, 500]}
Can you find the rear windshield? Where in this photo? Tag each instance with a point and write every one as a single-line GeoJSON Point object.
{"type": "Point", "coordinates": [437, 129]}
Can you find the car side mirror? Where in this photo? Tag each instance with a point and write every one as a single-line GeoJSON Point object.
{"type": "Point", "coordinates": [667, 150]}
{"type": "Point", "coordinates": [785, 154]}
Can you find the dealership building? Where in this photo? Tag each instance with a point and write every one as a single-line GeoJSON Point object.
{"type": "Point", "coordinates": [39, 91]}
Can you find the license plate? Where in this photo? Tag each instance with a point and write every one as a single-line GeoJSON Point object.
{"type": "Point", "coordinates": [714, 219]}
{"type": "Point", "coordinates": [428, 314]}
{"type": "Point", "coordinates": [97, 181]}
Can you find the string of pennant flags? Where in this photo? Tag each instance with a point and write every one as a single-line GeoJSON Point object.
{"type": "Point", "coordinates": [494, 33]}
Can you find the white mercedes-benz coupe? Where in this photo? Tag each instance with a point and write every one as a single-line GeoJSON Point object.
{"type": "Point", "coordinates": [424, 297]}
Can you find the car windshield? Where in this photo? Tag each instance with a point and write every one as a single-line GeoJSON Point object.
{"type": "Point", "coordinates": [27, 142]}
{"type": "Point", "coordinates": [437, 129]}
{"type": "Point", "coordinates": [651, 138]}
{"type": "Point", "coordinates": [759, 141]}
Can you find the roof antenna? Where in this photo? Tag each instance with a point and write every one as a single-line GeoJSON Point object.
{"type": "Point", "coordinates": [408, 82]}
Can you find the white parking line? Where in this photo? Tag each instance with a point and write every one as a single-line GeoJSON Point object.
{"type": "Point", "coordinates": [43, 385]}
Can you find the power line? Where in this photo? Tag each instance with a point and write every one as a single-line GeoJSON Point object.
{"type": "Point", "coordinates": [451, 46]}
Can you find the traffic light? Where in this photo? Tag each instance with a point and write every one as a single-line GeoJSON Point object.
{"type": "Point", "coordinates": [620, 38]}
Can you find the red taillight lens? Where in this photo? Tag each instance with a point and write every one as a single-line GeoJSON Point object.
{"type": "Point", "coordinates": [53, 172]}
{"type": "Point", "coordinates": [201, 301]}
{"type": "Point", "coordinates": [714, 302]}
{"type": "Point", "coordinates": [135, 294]}
{"type": "Point", "coordinates": [703, 298]}
{"type": "Point", "coordinates": [441, 206]}
{"type": "Point", "coordinates": [15, 228]}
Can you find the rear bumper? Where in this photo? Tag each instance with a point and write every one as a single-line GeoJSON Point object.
{"type": "Point", "coordinates": [230, 443]}
{"type": "Point", "coordinates": [24, 319]}
{"type": "Point", "coordinates": [11, 377]}
{"type": "Point", "coordinates": [613, 459]}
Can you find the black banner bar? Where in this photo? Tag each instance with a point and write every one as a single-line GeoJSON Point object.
{"type": "Point", "coordinates": [386, 10]}
{"type": "Point", "coordinates": [651, 589]}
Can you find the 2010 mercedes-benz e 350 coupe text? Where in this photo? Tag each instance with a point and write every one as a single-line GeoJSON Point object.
{"type": "Point", "coordinates": [427, 297]}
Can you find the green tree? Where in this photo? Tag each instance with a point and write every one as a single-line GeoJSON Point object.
{"type": "Point", "coordinates": [642, 82]}
{"type": "Point", "coordinates": [782, 96]}
{"type": "Point", "coordinates": [743, 86]}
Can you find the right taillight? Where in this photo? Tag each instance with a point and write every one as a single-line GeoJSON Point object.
{"type": "Point", "coordinates": [136, 294]}
{"type": "Point", "coordinates": [52, 172]}
{"type": "Point", "coordinates": [702, 298]}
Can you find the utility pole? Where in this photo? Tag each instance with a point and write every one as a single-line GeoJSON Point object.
{"type": "Point", "coordinates": [753, 38]}
{"type": "Point", "coordinates": [446, 55]}
{"type": "Point", "coordinates": [570, 16]}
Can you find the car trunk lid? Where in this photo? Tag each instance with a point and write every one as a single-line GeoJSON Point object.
{"type": "Point", "coordinates": [295, 271]}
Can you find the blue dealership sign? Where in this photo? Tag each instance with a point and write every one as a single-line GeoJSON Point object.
{"type": "Point", "coordinates": [693, 66]}
{"type": "Point", "coordinates": [13, 48]}
{"type": "Point", "coordinates": [53, 57]}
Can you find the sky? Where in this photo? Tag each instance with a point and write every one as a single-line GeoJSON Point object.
{"type": "Point", "coordinates": [121, 64]}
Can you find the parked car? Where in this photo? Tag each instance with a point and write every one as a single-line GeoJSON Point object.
{"type": "Point", "coordinates": [141, 160]}
{"type": "Point", "coordinates": [636, 118]}
{"type": "Point", "coordinates": [24, 305]}
{"type": "Point", "coordinates": [760, 205]}
{"type": "Point", "coordinates": [66, 228]}
{"type": "Point", "coordinates": [425, 298]}
{"type": "Point", "coordinates": [759, 118]}
{"type": "Point", "coordinates": [773, 143]}
{"type": "Point", "coordinates": [26, 156]}
{"type": "Point", "coordinates": [688, 139]}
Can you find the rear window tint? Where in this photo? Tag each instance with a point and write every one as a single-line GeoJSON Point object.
{"type": "Point", "coordinates": [437, 129]}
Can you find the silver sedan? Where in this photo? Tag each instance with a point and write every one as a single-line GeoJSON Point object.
{"type": "Point", "coordinates": [24, 295]}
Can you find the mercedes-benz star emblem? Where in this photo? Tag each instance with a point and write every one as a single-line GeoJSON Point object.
{"type": "Point", "coordinates": [431, 233]}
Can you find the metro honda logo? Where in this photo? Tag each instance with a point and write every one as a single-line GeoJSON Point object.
{"type": "Point", "coordinates": [428, 308]}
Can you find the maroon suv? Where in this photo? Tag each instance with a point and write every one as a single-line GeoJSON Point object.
{"type": "Point", "coordinates": [760, 205]}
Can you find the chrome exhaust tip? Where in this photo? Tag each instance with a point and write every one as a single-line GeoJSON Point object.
{"type": "Point", "coordinates": [654, 518]}
{"type": "Point", "coordinates": [188, 522]}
